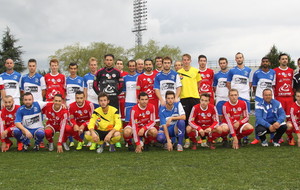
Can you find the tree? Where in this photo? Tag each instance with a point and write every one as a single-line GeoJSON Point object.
{"type": "Point", "coordinates": [81, 55]}
{"type": "Point", "coordinates": [152, 49]}
{"type": "Point", "coordinates": [273, 57]}
{"type": "Point", "coordinates": [8, 50]}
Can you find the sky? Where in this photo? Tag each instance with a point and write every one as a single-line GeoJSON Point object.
{"type": "Point", "coordinates": [215, 28]}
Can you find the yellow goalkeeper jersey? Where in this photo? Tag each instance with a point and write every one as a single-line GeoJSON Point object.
{"type": "Point", "coordinates": [105, 122]}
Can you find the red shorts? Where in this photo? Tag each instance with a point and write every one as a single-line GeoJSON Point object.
{"type": "Point", "coordinates": [155, 103]}
{"type": "Point", "coordinates": [122, 107]}
{"type": "Point", "coordinates": [286, 103]}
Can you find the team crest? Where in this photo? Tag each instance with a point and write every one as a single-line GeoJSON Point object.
{"type": "Point", "coordinates": [113, 75]}
{"type": "Point", "coordinates": [209, 115]}
{"type": "Point", "coordinates": [147, 112]}
{"type": "Point", "coordinates": [58, 80]}
{"type": "Point", "coordinates": [85, 111]}
{"type": "Point", "coordinates": [35, 109]}
{"type": "Point", "coordinates": [239, 109]}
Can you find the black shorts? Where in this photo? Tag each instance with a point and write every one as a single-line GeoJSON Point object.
{"type": "Point", "coordinates": [101, 134]}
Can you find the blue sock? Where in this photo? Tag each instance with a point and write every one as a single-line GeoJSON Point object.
{"type": "Point", "coordinates": [20, 137]}
{"type": "Point", "coordinates": [82, 136]}
{"type": "Point", "coordinates": [181, 131]}
{"type": "Point", "coordinates": [71, 139]}
{"type": "Point", "coordinates": [39, 136]}
{"type": "Point", "coordinates": [161, 138]}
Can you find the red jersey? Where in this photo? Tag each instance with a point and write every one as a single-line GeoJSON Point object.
{"type": "Point", "coordinates": [206, 84]}
{"type": "Point", "coordinates": [81, 115]}
{"type": "Point", "coordinates": [56, 119]}
{"type": "Point", "coordinates": [284, 82]}
{"type": "Point", "coordinates": [55, 84]}
{"type": "Point", "coordinates": [122, 94]}
{"type": "Point", "coordinates": [8, 117]}
{"type": "Point", "coordinates": [295, 116]}
{"type": "Point", "coordinates": [203, 118]}
{"type": "Point", "coordinates": [235, 113]}
{"type": "Point", "coordinates": [155, 71]}
{"type": "Point", "coordinates": [145, 83]}
{"type": "Point", "coordinates": [141, 118]}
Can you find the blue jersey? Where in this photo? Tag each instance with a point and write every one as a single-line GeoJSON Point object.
{"type": "Point", "coordinates": [73, 85]}
{"type": "Point", "coordinates": [261, 81]}
{"type": "Point", "coordinates": [88, 84]}
{"type": "Point", "coordinates": [129, 87]}
{"type": "Point", "coordinates": [31, 118]}
{"type": "Point", "coordinates": [12, 83]}
{"type": "Point", "coordinates": [220, 80]}
{"type": "Point", "coordinates": [34, 85]}
{"type": "Point", "coordinates": [239, 79]}
{"type": "Point", "coordinates": [167, 81]}
{"type": "Point", "coordinates": [164, 113]}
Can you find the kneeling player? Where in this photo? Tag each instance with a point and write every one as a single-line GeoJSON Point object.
{"type": "Point", "coordinates": [204, 120]}
{"type": "Point", "coordinates": [141, 124]}
{"type": "Point", "coordinates": [80, 113]}
{"type": "Point", "coordinates": [57, 118]}
{"type": "Point", "coordinates": [8, 116]}
{"type": "Point", "coordinates": [105, 125]}
{"type": "Point", "coordinates": [294, 121]}
{"type": "Point", "coordinates": [29, 122]}
{"type": "Point", "coordinates": [172, 121]}
{"type": "Point", "coordinates": [236, 116]}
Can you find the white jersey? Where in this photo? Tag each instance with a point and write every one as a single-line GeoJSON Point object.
{"type": "Point", "coordinates": [129, 88]}
{"type": "Point", "coordinates": [34, 85]}
{"type": "Point", "coordinates": [88, 84]}
{"type": "Point", "coordinates": [12, 83]}
{"type": "Point", "coordinates": [220, 80]}
{"type": "Point", "coordinates": [73, 85]}
{"type": "Point", "coordinates": [31, 118]}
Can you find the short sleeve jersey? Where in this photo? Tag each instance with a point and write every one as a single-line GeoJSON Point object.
{"type": "Point", "coordinates": [34, 85]}
{"type": "Point", "coordinates": [189, 80]}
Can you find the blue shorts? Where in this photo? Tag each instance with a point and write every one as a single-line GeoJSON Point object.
{"type": "Point", "coordinates": [128, 107]}
{"type": "Point", "coordinates": [171, 130]}
{"type": "Point", "coordinates": [247, 102]}
{"type": "Point", "coordinates": [219, 106]}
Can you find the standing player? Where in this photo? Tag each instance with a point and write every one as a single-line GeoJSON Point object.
{"type": "Point", "coordinates": [140, 66]}
{"type": "Point", "coordinates": [105, 125]}
{"type": "Point", "coordinates": [263, 78]}
{"type": "Point", "coordinates": [220, 88]}
{"type": "Point", "coordinates": [33, 82]}
{"type": "Point", "coordinates": [129, 88]}
{"type": "Point", "coordinates": [80, 113]}
{"type": "Point", "coordinates": [29, 122]}
{"type": "Point", "coordinates": [89, 80]}
{"type": "Point", "coordinates": [177, 65]}
{"type": "Point", "coordinates": [283, 90]}
{"type": "Point", "coordinates": [8, 116]}
{"type": "Point", "coordinates": [172, 122]}
{"type": "Point", "coordinates": [167, 80]}
{"type": "Point", "coordinates": [57, 119]}
{"type": "Point", "coordinates": [294, 121]}
{"type": "Point", "coordinates": [204, 121]}
{"type": "Point", "coordinates": [158, 64]}
{"type": "Point", "coordinates": [189, 96]}
{"type": "Point", "coordinates": [145, 83]}
{"type": "Point", "coordinates": [11, 80]}
{"type": "Point", "coordinates": [55, 82]}
{"type": "Point", "coordinates": [74, 83]}
{"type": "Point", "coordinates": [109, 80]}
{"type": "Point", "coordinates": [207, 75]}
{"type": "Point", "coordinates": [296, 78]}
{"type": "Point", "coordinates": [2, 94]}
{"type": "Point", "coordinates": [121, 96]}
{"type": "Point", "coordinates": [236, 116]}
{"type": "Point", "coordinates": [142, 121]}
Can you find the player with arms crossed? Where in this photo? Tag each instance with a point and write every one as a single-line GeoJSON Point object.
{"type": "Point", "coordinates": [172, 122]}
{"type": "Point", "coordinates": [236, 116]}
{"type": "Point", "coordinates": [7, 123]}
{"type": "Point", "coordinates": [105, 125]}
{"type": "Point", "coordinates": [29, 122]}
{"type": "Point", "coordinates": [142, 124]}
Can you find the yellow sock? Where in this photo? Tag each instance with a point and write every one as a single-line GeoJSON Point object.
{"type": "Point", "coordinates": [114, 140]}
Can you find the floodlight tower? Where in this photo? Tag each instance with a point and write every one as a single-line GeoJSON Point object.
{"type": "Point", "coordinates": [139, 20]}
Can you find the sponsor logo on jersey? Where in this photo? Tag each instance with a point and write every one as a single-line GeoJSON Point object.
{"type": "Point", "coordinates": [31, 121]}
{"type": "Point", "coordinates": [284, 88]}
{"type": "Point", "coordinates": [31, 89]}
{"type": "Point", "coordinates": [167, 86]}
{"type": "Point", "coordinates": [10, 85]}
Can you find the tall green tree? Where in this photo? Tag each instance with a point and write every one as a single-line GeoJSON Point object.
{"type": "Point", "coordinates": [152, 49]}
{"type": "Point", "coordinates": [10, 50]}
{"type": "Point", "coordinates": [273, 56]}
{"type": "Point", "coordinates": [81, 55]}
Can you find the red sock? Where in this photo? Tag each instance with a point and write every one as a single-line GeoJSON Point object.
{"type": "Point", "coordinates": [128, 140]}
{"type": "Point", "coordinates": [192, 136]}
{"type": "Point", "coordinates": [224, 135]}
{"type": "Point", "coordinates": [247, 132]}
{"type": "Point", "coordinates": [149, 139]}
{"type": "Point", "coordinates": [49, 135]}
{"type": "Point", "coordinates": [290, 133]}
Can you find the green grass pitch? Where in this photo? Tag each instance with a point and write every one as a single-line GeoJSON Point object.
{"type": "Point", "coordinates": [251, 167]}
